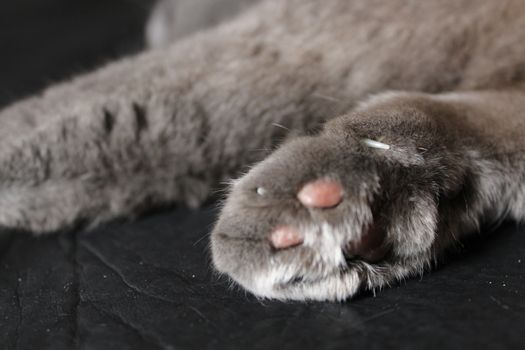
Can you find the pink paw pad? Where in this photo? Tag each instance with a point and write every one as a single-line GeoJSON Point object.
{"type": "Point", "coordinates": [285, 237]}
{"type": "Point", "coordinates": [322, 193]}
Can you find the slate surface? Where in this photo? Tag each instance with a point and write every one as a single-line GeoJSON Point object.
{"type": "Point", "coordinates": [147, 284]}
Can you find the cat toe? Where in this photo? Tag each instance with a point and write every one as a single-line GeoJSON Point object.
{"type": "Point", "coordinates": [286, 237]}
{"type": "Point", "coordinates": [322, 194]}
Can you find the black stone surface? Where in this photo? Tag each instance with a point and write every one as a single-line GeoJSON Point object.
{"type": "Point", "coordinates": [148, 285]}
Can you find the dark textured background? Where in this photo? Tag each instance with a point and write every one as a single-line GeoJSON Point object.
{"type": "Point", "coordinates": [148, 285]}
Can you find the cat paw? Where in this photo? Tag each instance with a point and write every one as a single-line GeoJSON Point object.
{"type": "Point", "coordinates": [328, 215]}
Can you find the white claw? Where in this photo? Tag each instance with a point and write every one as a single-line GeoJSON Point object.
{"type": "Point", "coordinates": [261, 191]}
{"type": "Point", "coordinates": [375, 144]}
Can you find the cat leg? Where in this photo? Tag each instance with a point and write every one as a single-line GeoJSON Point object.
{"type": "Point", "coordinates": [116, 156]}
{"type": "Point", "coordinates": [375, 197]}
{"type": "Point", "coordinates": [165, 127]}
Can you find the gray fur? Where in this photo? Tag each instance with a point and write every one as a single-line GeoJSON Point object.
{"type": "Point", "coordinates": [171, 124]}
{"type": "Point", "coordinates": [171, 20]}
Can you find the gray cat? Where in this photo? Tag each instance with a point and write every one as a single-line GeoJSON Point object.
{"type": "Point", "coordinates": [400, 127]}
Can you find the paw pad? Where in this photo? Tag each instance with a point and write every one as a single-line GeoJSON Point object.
{"type": "Point", "coordinates": [285, 237]}
{"type": "Point", "coordinates": [321, 194]}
